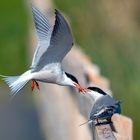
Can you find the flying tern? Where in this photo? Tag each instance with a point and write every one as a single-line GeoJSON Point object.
{"type": "Point", "coordinates": [54, 42]}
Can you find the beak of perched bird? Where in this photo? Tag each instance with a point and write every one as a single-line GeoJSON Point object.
{"type": "Point", "coordinates": [80, 88]}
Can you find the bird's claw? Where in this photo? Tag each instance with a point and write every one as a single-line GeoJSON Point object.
{"type": "Point", "coordinates": [37, 85]}
{"type": "Point", "coordinates": [34, 83]}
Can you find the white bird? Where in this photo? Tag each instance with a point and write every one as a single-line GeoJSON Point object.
{"type": "Point", "coordinates": [54, 42]}
{"type": "Point", "coordinates": [103, 105]}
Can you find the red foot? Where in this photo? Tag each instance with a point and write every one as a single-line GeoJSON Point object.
{"type": "Point", "coordinates": [37, 85]}
{"type": "Point", "coordinates": [34, 83]}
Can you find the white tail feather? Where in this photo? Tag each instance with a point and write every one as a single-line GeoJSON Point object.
{"type": "Point", "coordinates": [16, 83]}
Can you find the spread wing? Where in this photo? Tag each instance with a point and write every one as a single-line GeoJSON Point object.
{"type": "Point", "coordinates": [55, 42]}
{"type": "Point", "coordinates": [44, 31]}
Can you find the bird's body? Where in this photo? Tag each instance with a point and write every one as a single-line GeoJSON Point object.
{"type": "Point", "coordinates": [104, 105]}
{"type": "Point", "coordinates": [54, 42]}
{"type": "Point", "coordinates": [104, 108]}
{"type": "Point", "coordinates": [49, 75]}
{"type": "Point", "coordinates": [52, 74]}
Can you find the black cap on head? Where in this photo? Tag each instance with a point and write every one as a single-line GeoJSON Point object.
{"type": "Point", "coordinates": [72, 77]}
{"type": "Point", "coordinates": [97, 90]}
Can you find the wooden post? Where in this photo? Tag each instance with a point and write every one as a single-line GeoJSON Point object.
{"type": "Point", "coordinates": [119, 129]}
{"type": "Point", "coordinates": [104, 132]}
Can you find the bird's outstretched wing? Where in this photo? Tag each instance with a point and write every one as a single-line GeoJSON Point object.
{"type": "Point", "coordinates": [44, 30]}
{"type": "Point", "coordinates": [57, 40]}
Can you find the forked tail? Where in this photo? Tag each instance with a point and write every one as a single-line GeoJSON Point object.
{"type": "Point", "coordinates": [16, 83]}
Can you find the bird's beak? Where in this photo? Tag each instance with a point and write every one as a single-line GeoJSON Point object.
{"type": "Point", "coordinates": [80, 89]}
{"type": "Point", "coordinates": [84, 90]}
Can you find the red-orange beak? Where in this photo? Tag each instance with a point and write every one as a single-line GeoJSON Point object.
{"type": "Point", "coordinates": [80, 89]}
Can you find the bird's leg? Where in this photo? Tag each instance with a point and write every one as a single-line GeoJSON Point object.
{"type": "Point", "coordinates": [37, 85]}
{"type": "Point", "coordinates": [97, 121]}
{"type": "Point", "coordinates": [33, 85]}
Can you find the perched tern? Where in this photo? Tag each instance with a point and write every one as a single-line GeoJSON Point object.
{"type": "Point", "coordinates": [54, 42]}
{"type": "Point", "coordinates": [104, 106]}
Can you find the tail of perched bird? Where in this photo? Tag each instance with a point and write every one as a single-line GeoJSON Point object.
{"type": "Point", "coordinates": [16, 83]}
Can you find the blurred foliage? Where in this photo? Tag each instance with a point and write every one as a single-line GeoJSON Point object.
{"type": "Point", "coordinates": [13, 37]}
{"type": "Point", "coordinates": [108, 31]}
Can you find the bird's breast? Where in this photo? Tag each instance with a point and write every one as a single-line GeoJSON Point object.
{"type": "Point", "coordinates": [47, 76]}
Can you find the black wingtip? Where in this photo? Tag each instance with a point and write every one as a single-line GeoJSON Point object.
{"type": "Point", "coordinates": [56, 11]}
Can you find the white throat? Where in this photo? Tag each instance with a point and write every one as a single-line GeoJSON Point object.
{"type": "Point", "coordinates": [94, 95]}
{"type": "Point", "coordinates": [65, 81]}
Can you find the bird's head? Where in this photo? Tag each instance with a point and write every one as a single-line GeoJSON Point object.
{"type": "Point", "coordinates": [74, 82]}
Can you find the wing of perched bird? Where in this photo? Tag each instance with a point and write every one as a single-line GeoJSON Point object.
{"type": "Point", "coordinates": [54, 42]}
{"type": "Point", "coordinates": [105, 107]}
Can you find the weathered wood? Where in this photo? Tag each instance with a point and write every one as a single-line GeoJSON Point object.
{"type": "Point", "coordinates": [120, 129]}
{"type": "Point", "coordinates": [123, 126]}
{"type": "Point", "coordinates": [104, 132]}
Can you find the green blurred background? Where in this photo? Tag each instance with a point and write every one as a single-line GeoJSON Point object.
{"type": "Point", "coordinates": [108, 31]}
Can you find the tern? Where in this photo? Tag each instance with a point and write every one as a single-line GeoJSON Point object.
{"type": "Point", "coordinates": [104, 106]}
{"type": "Point", "coordinates": [54, 42]}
